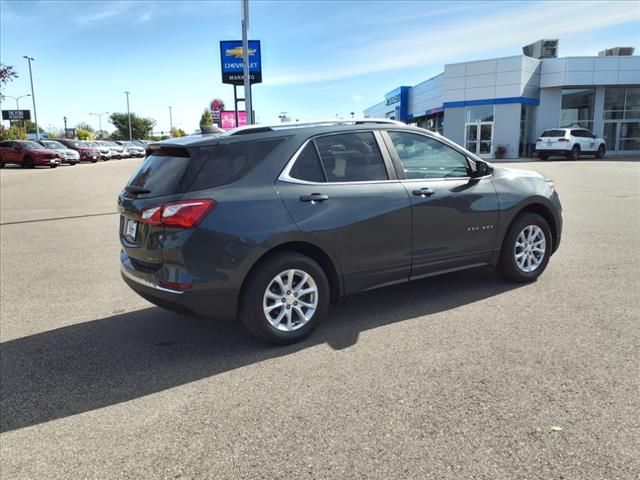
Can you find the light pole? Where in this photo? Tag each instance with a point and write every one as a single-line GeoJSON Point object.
{"type": "Point", "coordinates": [129, 115]}
{"type": "Point", "coordinates": [170, 122]}
{"type": "Point", "coordinates": [33, 96]}
{"type": "Point", "coordinates": [17, 99]}
{"type": "Point", "coordinates": [245, 61]}
{"type": "Point", "coordinates": [99, 115]}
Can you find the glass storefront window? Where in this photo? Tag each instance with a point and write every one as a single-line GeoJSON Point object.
{"type": "Point", "coordinates": [479, 113]}
{"type": "Point", "coordinates": [577, 107]}
{"type": "Point", "coordinates": [621, 103]}
{"type": "Point", "coordinates": [527, 142]}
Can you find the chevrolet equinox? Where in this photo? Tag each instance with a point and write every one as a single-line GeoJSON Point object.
{"type": "Point", "coordinates": [270, 224]}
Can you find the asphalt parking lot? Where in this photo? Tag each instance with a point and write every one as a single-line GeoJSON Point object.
{"type": "Point", "coordinates": [461, 376]}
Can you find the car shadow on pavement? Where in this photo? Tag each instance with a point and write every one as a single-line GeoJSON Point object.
{"type": "Point", "coordinates": [82, 367]}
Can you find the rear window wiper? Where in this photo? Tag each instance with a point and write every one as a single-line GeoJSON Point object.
{"type": "Point", "coordinates": [136, 189]}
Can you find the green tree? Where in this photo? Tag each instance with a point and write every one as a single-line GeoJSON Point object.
{"type": "Point", "coordinates": [7, 74]}
{"type": "Point", "coordinates": [103, 134]}
{"type": "Point", "coordinates": [31, 127]}
{"type": "Point", "coordinates": [83, 134]}
{"type": "Point", "coordinates": [206, 119]}
{"type": "Point", "coordinates": [140, 127]}
{"type": "Point", "coordinates": [12, 133]}
{"type": "Point", "coordinates": [178, 132]}
{"type": "Point", "coordinates": [84, 126]}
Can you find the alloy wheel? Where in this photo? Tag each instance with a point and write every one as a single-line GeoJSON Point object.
{"type": "Point", "coordinates": [290, 300]}
{"type": "Point", "coordinates": [530, 248]}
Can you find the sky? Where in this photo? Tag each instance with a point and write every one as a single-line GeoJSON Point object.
{"type": "Point", "coordinates": [320, 58]}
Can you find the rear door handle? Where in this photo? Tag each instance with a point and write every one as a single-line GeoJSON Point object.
{"type": "Point", "coordinates": [314, 197]}
{"type": "Point", "coordinates": [424, 192]}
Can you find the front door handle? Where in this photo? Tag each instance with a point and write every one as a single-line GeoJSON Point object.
{"type": "Point", "coordinates": [424, 192]}
{"type": "Point", "coordinates": [314, 197]}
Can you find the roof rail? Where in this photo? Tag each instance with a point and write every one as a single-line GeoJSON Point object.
{"type": "Point", "coordinates": [270, 128]}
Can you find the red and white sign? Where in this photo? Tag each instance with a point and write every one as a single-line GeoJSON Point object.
{"type": "Point", "coordinates": [228, 119]}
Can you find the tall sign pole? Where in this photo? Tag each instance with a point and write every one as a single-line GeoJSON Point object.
{"type": "Point", "coordinates": [129, 115]}
{"type": "Point", "coordinates": [245, 61]}
{"type": "Point", "coordinates": [33, 96]}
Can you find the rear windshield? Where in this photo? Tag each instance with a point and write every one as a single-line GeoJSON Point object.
{"type": "Point", "coordinates": [553, 133]}
{"type": "Point", "coordinates": [174, 171]}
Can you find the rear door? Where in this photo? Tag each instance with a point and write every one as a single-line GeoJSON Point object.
{"type": "Point", "coordinates": [455, 217]}
{"type": "Point", "coordinates": [343, 194]}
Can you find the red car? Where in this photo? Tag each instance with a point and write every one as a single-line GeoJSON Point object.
{"type": "Point", "coordinates": [28, 154]}
{"type": "Point", "coordinates": [87, 153]}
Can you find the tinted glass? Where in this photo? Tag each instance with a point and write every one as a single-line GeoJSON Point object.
{"type": "Point", "coordinates": [351, 157]}
{"type": "Point", "coordinates": [31, 145]}
{"type": "Point", "coordinates": [576, 133]}
{"type": "Point", "coordinates": [424, 157]}
{"type": "Point", "coordinates": [54, 145]}
{"type": "Point", "coordinates": [229, 163]}
{"type": "Point", "coordinates": [553, 133]}
{"type": "Point", "coordinates": [307, 166]}
{"type": "Point", "coordinates": [160, 174]}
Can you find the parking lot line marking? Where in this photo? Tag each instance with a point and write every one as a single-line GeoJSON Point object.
{"type": "Point", "coordinates": [59, 218]}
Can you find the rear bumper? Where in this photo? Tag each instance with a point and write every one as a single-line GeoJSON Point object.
{"type": "Point", "coordinates": [202, 300]}
{"type": "Point", "coordinates": [552, 151]}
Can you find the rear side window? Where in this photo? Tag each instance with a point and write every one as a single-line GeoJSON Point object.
{"type": "Point", "coordinates": [351, 157]}
{"type": "Point", "coordinates": [307, 166]}
{"type": "Point", "coordinates": [228, 163]}
{"type": "Point", "coordinates": [553, 133]}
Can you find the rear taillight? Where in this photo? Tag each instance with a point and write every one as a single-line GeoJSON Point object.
{"type": "Point", "coordinates": [184, 214]}
{"type": "Point", "coordinates": [563, 139]}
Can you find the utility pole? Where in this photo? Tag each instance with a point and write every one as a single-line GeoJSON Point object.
{"type": "Point", "coordinates": [99, 115]}
{"type": "Point", "coordinates": [33, 96]}
{"type": "Point", "coordinates": [129, 115]}
{"type": "Point", "coordinates": [65, 126]}
{"type": "Point", "coordinates": [170, 122]}
{"type": "Point", "coordinates": [245, 61]}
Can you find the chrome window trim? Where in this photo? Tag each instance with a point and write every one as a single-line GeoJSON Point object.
{"type": "Point", "coordinates": [286, 177]}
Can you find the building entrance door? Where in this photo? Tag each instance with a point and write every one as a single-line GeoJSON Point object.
{"type": "Point", "coordinates": [622, 136]}
{"type": "Point", "coordinates": [479, 138]}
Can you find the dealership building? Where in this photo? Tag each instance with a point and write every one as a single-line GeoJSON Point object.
{"type": "Point", "coordinates": [508, 102]}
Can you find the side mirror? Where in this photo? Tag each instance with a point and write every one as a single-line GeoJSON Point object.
{"type": "Point", "coordinates": [482, 169]}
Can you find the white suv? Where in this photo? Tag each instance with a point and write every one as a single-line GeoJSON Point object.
{"type": "Point", "coordinates": [570, 142]}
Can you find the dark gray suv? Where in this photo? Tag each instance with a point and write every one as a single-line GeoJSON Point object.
{"type": "Point", "coordinates": [270, 224]}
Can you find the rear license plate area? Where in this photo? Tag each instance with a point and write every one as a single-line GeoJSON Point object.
{"type": "Point", "coordinates": [130, 230]}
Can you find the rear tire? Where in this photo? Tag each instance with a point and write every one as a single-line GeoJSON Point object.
{"type": "Point", "coordinates": [526, 248]}
{"type": "Point", "coordinates": [575, 153]}
{"type": "Point", "coordinates": [285, 298]}
{"type": "Point", "coordinates": [543, 156]}
{"type": "Point", "coordinates": [94, 161]}
{"type": "Point", "coordinates": [601, 152]}
{"type": "Point", "coordinates": [53, 166]}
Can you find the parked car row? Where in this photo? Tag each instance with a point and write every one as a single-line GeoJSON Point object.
{"type": "Point", "coordinates": [52, 152]}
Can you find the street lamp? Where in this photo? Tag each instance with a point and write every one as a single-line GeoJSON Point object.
{"type": "Point", "coordinates": [33, 96]}
{"type": "Point", "coordinates": [99, 115]}
{"type": "Point", "coordinates": [129, 115]}
{"type": "Point", "coordinates": [170, 122]}
{"type": "Point", "coordinates": [17, 99]}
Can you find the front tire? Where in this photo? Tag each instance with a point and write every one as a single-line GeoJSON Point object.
{"type": "Point", "coordinates": [285, 298]}
{"type": "Point", "coordinates": [601, 152]}
{"type": "Point", "coordinates": [27, 162]}
{"type": "Point", "coordinates": [526, 248]}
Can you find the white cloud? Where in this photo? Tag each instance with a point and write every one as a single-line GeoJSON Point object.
{"type": "Point", "coordinates": [107, 10]}
{"type": "Point", "coordinates": [357, 98]}
{"type": "Point", "coordinates": [471, 35]}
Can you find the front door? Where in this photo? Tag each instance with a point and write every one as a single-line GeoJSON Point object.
{"type": "Point", "coordinates": [343, 196]}
{"type": "Point", "coordinates": [622, 136]}
{"type": "Point", "coordinates": [479, 138]}
{"type": "Point", "coordinates": [455, 217]}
